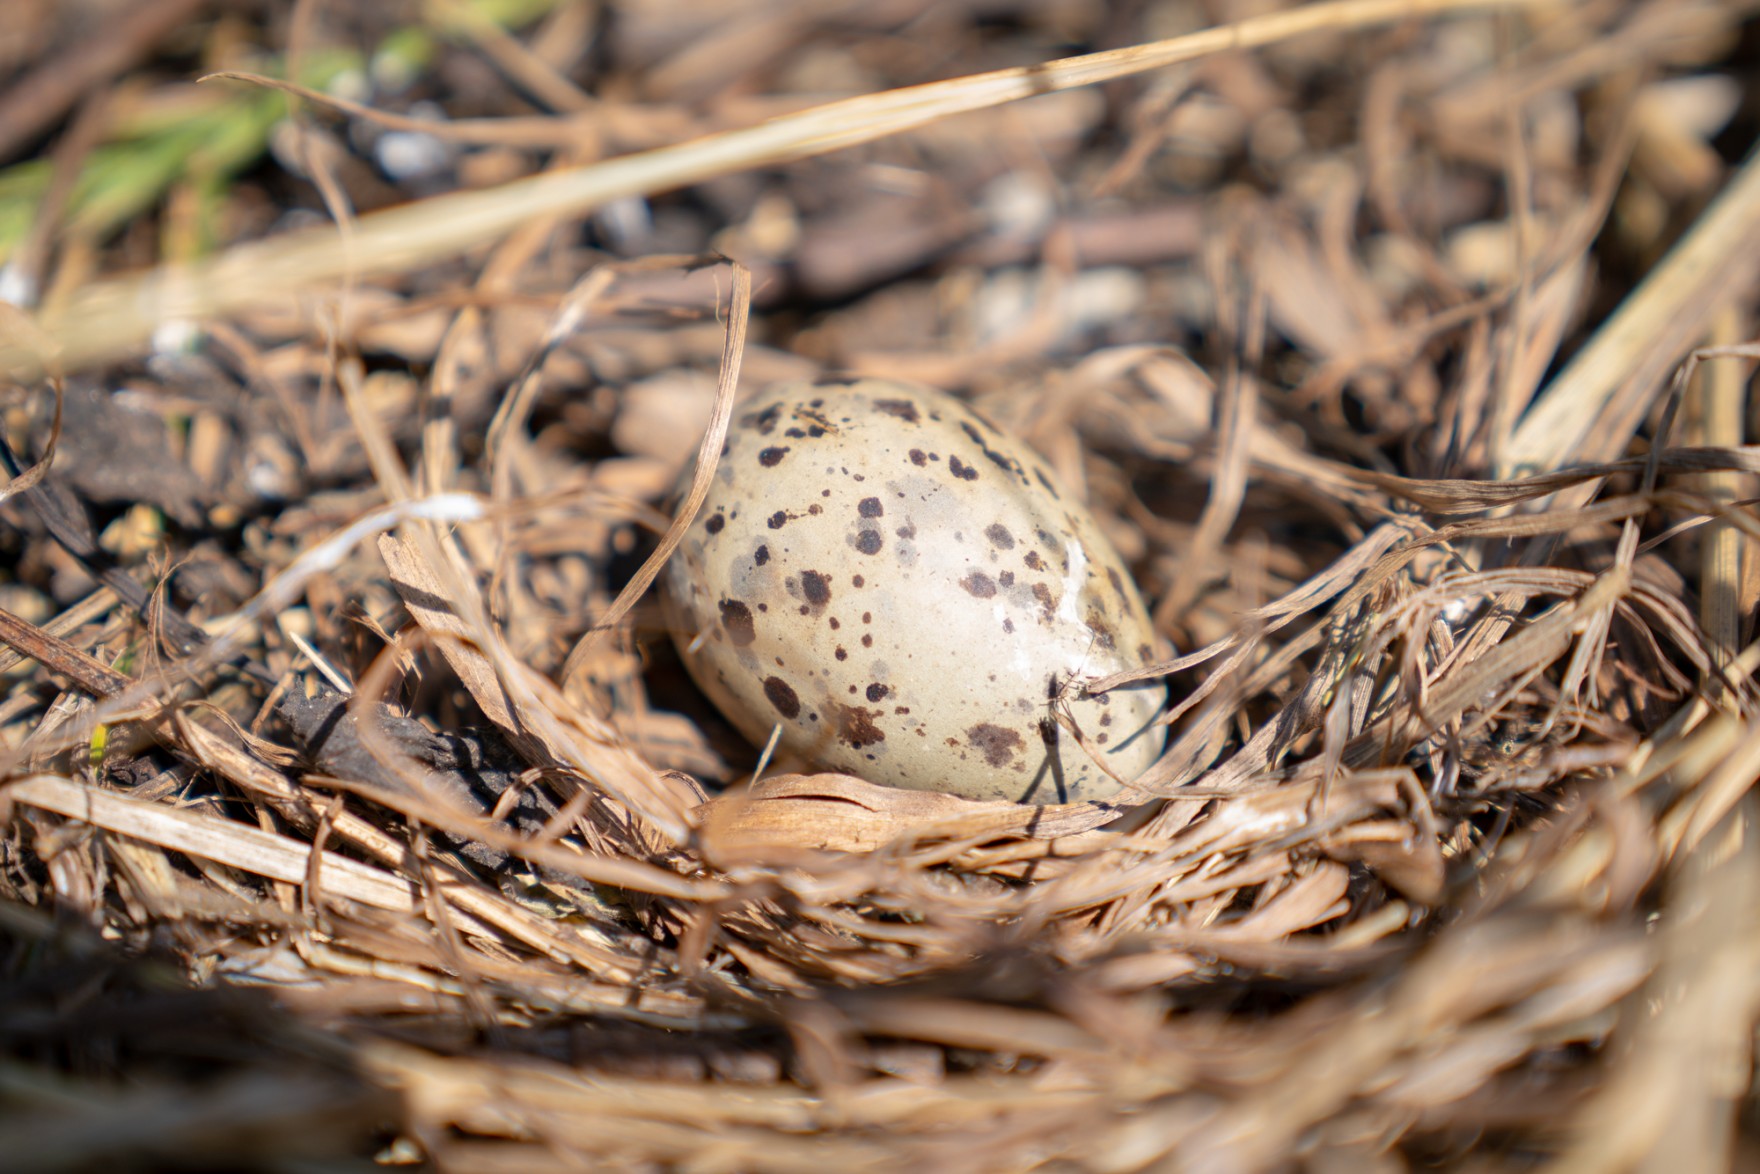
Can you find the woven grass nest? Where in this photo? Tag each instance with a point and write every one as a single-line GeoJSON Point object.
{"type": "Point", "coordinates": [358, 811]}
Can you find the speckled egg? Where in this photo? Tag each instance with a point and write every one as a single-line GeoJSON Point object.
{"type": "Point", "coordinates": [911, 596]}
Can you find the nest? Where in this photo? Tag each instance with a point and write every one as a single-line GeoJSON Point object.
{"type": "Point", "coordinates": [384, 823]}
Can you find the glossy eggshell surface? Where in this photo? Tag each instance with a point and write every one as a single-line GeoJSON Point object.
{"type": "Point", "coordinates": [908, 592]}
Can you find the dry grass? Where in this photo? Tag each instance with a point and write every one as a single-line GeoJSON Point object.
{"type": "Point", "coordinates": [1451, 857]}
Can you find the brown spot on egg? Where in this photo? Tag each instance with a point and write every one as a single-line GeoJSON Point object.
{"type": "Point", "coordinates": [1043, 594]}
{"type": "Point", "coordinates": [782, 697]}
{"type": "Point", "coordinates": [979, 585]}
{"type": "Point", "coordinates": [1113, 578]}
{"type": "Point", "coordinates": [1033, 560]}
{"type": "Point", "coordinates": [1145, 653]}
{"type": "Point", "coordinates": [999, 536]}
{"type": "Point", "coordinates": [868, 542]}
{"type": "Point", "coordinates": [919, 457]}
{"type": "Point", "coordinates": [906, 532]}
{"type": "Point", "coordinates": [877, 691]}
{"type": "Point", "coordinates": [1006, 463]}
{"type": "Point", "coordinates": [1102, 630]}
{"type": "Point", "coordinates": [713, 523]}
{"type": "Point", "coordinates": [870, 507]}
{"type": "Point", "coordinates": [764, 421]}
{"type": "Point", "coordinates": [904, 409]}
{"type": "Point", "coordinates": [1006, 579]}
{"type": "Point", "coordinates": [816, 588]}
{"type": "Point", "coordinates": [999, 745]}
{"type": "Point", "coordinates": [771, 457]}
{"type": "Point", "coordinates": [855, 725]}
{"type": "Point", "coordinates": [858, 581]}
{"type": "Point", "coordinates": [961, 470]}
{"type": "Point", "coordinates": [778, 520]}
{"type": "Point", "coordinates": [761, 555]}
{"type": "Point", "coordinates": [736, 617]}
{"type": "Point", "coordinates": [840, 654]}
{"type": "Point", "coordinates": [867, 640]}
{"type": "Point", "coordinates": [1046, 482]}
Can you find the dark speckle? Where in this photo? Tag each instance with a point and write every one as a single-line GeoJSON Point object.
{"type": "Point", "coordinates": [778, 520]}
{"type": "Point", "coordinates": [855, 725]}
{"type": "Point", "coordinates": [1043, 594]}
{"type": "Point", "coordinates": [771, 457]}
{"type": "Point", "coordinates": [1006, 579]}
{"type": "Point", "coordinates": [979, 585]}
{"type": "Point", "coordinates": [997, 533]}
{"type": "Point", "coordinates": [868, 542]}
{"type": "Point", "coordinates": [782, 697]}
{"type": "Point", "coordinates": [816, 588]}
{"type": "Point", "coordinates": [1008, 626]}
{"type": "Point", "coordinates": [870, 507]}
{"type": "Point", "coordinates": [1006, 463]}
{"type": "Point", "coordinates": [961, 470]}
{"type": "Point", "coordinates": [840, 654]}
{"type": "Point", "coordinates": [904, 409]}
{"type": "Point", "coordinates": [1145, 653]}
{"type": "Point", "coordinates": [1117, 583]}
{"type": "Point", "coordinates": [764, 421]}
{"type": "Point", "coordinates": [736, 617]}
{"type": "Point", "coordinates": [867, 640]}
{"type": "Point", "coordinates": [858, 581]}
{"type": "Point", "coordinates": [919, 457]}
{"type": "Point", "coordinates": [815, 509]}
{"type": "Point", "coordinates": [761, 555]}
{"type": "Point", "coordinates": [834, 624]}
{"type": "Point", "coordinates": [714, 523]}
{"type": "Point", "coordinates": [907, 532]}
{"type": "Point", "coordinates": [1102, 630]}
{"type": "Point", "coordinates": [877, 691]}
{"type": "Point", "coordinates": [999, 745]}
{"type": "Point", "coordinates": [1034, 561]}
{"type": "Point", "coordinates": [1046, 482]}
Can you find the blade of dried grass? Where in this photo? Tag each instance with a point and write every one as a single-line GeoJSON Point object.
{"type": "Point", "coordinates": [523, 702]}
{"type": "Point", "coordinates": [584, 945]}
{"type": "Point", "coordinates": [107, 320]}
{"type": "Point", "coordinates": [1672, 1095]}
{"type": "Point", "coordinates": [1722, 409]}
{"type": "Point", "coordinates": [222, 841]}
{"type": "Point", "coordinates": [708, 456]}
{"type": "Point", "coordinates": [1649, 332]}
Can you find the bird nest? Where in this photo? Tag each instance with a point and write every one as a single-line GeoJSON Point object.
{"type": "Point", "coordinates": [390, 825]}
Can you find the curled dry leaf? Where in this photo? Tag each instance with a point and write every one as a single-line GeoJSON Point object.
{"type": "Point", "coordinates": [842, 813]}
